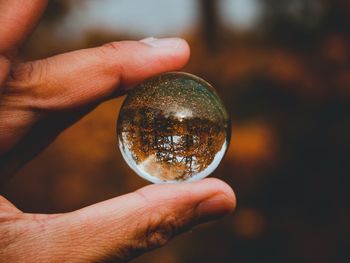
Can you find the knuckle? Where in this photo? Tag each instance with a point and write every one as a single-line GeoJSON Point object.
{"type": "Point", "coordinates": [112, 55]}
{"type": "Point", "coordinates": [23, 71]}
{"type": "Point", "coordinates": [114, 46]}
{"type": "Point", "coordinates": [157, 234]}
{"type": "Point", "coordinates": [30, 72]}
{"type": "Point", "coordinates": [156, 226]}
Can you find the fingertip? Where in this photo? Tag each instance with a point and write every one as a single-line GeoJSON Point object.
{"type": "Point", "coordinates": [220, 191]}
{"type": "Point", "coordinates": [184, 51]}
{"type": "Point", "coordinates": [191, 194]}
{"type": "Point", "coordinates": [135, 61]}
{"type": "Point", "coordinates": [217, 200]}
{"type": "Point", "coordinates": [173, 52]}
{"type": "Point", "coordinates": [222, 188]}
{"type": "Point", "coordinates": [174, 43]}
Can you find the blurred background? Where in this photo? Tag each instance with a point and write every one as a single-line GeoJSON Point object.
{"type": "Point", "coordinates": [283, 70]}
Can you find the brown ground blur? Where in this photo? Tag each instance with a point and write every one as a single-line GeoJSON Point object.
{"type": "Point", "coordinates": [287, 86]}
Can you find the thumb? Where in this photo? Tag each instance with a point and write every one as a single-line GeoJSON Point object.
{"type": "Point", "coordinates": [127, 226]}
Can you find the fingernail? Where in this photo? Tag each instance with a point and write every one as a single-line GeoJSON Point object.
{"type": "Point", "coordinates": [162, 42]}
{"type": "Point", "coordinates": [215, 207]}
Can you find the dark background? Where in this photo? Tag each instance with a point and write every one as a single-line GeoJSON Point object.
{"type": "Point", "coordinates": [285, 77]}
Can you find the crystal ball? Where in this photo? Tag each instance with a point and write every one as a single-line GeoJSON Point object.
{"type": "Point", "coordinates": [173, 128]}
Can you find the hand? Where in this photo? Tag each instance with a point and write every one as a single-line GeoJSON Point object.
{"type": "Point", "coordinates": [38, 100]}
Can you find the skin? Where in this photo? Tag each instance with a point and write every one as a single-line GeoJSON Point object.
{"type": "Point", "coordinates": [57, 91]}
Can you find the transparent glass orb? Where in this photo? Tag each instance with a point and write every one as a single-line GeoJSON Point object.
{"type": "Point", "coordinates": [173, 128]}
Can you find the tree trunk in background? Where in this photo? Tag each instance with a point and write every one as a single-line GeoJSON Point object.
{"type": "Point", "coordinates": [210, 25]}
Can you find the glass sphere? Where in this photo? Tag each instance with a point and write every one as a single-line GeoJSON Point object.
{"type": "Point", "coordinates": [173, 128]}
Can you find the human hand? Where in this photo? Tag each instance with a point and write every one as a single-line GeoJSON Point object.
{"type": "Point", "coordinates": [38, 100]}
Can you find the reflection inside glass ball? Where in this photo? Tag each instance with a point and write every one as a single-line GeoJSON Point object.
{"type": "Point", "coordinates": [173, 128]}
